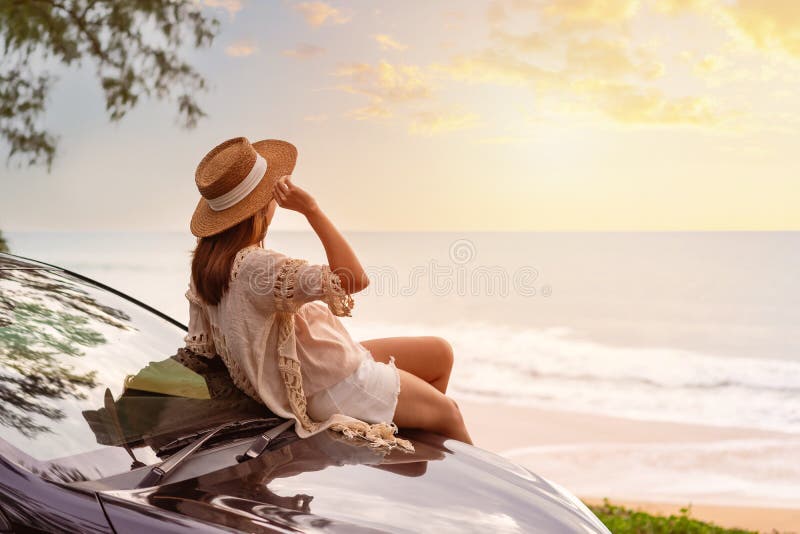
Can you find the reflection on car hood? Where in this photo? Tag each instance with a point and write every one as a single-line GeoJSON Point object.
{"type": "Point", "coordinates": [328, 484]}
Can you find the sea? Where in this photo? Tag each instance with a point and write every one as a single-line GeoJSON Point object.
{"type": "Point", "coordinates": [687, 327]}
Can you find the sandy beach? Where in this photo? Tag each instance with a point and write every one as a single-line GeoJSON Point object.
{"type": "Point", "coordinates": [734, 477]}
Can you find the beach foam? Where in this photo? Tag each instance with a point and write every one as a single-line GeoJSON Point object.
{"type": "Point", "coordinates": [550, 368]}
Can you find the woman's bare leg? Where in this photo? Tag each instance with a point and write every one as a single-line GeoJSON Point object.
{"type": "Point", "coordinates": [428, 357]}
{"type": "Point", "coordinates": [421, 405]}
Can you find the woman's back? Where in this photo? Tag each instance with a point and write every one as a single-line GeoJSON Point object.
{"type": "Point", "coordinates": [239, 329]}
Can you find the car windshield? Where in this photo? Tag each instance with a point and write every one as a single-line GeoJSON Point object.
{"type": "Point", "coordinates": [93, 384]}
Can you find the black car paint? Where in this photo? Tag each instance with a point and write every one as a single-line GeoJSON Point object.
{"type": "Point", "coordinates": [445, 485]}
{"type": "Point", "coordinates": [30, 502]}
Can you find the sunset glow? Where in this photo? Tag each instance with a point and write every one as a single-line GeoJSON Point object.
{"type": "Point", "coordinates": [500, 115]}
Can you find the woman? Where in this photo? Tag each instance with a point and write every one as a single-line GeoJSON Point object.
{"type": "Point", "coordinates": [273, 319]}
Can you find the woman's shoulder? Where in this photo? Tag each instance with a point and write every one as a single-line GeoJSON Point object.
{"type": "Point", "coordinates": [257, 258]}
{"type": "Point", "coordinates": [251, 252]}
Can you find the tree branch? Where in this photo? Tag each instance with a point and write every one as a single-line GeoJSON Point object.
{"type": "Point", "coordinates": [112, 33]}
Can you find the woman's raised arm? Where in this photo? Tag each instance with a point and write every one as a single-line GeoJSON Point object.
{"type": "Point", "coordinates": [342, 259]}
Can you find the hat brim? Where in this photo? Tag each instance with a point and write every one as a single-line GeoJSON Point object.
{"type": "Point", "coordinates": [281, 157]}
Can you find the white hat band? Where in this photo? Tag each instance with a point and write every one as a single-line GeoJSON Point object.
{"type": "Point", "coordinates": [242, 189]}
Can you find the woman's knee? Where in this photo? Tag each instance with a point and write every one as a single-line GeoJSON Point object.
{"type": "Point", "coordinates": [444, 350]}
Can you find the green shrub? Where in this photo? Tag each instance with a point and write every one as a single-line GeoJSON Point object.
{"type": "Point", "coordinates": [620, 520]}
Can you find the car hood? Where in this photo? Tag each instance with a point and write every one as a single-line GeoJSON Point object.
{"type": "Point", "coordinates": [324, 483]}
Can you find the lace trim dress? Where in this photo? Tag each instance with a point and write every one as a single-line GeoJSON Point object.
{"type": "Point", "coordinates": [278, 333]}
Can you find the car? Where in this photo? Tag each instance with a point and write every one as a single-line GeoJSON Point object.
{"type": "Point", "coordinates": [109, 424]}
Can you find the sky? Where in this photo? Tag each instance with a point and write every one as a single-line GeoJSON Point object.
{"type": "Point", "coordinates": [507, 115]}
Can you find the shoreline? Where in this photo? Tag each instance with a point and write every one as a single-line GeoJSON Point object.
{"type": "Point", "coordinates": [603, 428]}
{"type": "Point", "coordinates": [657, 467]}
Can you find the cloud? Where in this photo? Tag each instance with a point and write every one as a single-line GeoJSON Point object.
{"type": "Point", "coordinates": [610, 57]}
{"type": "Point", "coordinates": [318, 13]}
{"type": "Point", "coordinates": [606, 56]}
{"type": "Point", "coordinates": [531, 42]}
{"type": "Point", "coordinates": [581, 57]}
{"type": "Point", "coordinates": [573, 14]}
{"type": "Point", "coordinates": [231, 6]}
{"type": "Point", "coordinates": [495, 66]}
{"type": "Point", "coordinates": [769, 24]}
{"type": "Point", "coordinates": [433, 122]}
{"type": "Point", "coordinates": [389, 86]}
{"type": "Point", "coordinates": [720, 70]}
{"type": "Point", "coordinates": [387, 42]}
{"type": "Point", "coordinates": [316, 118]}
{"type": "Point", "coordinates": [384, 84]}
{"type": "Point", "coordinates": [304, 51]}
{"type": "Point", "coordinates": [567, 15]}
{"type": "Point", "coordinates": [708, 64]}
{"type": "Point", "coordinates": [582, 52]}
{"type": "Point", "coordinates": [588, 88]}
{"type": "Point", "coordinates": [675, 7]}
{"type": "Point", "coordinates": [385, 81]}
{"type": "Point", "coordinates": [241, 49]}
{"type": "Point", "coordinates": [632, 104]}
{"type": "Point", "coordinates": [351, 69]}
{"type": "Point", "coordinates": [375, 110]}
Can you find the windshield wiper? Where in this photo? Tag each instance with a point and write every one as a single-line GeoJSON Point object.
{"type": "Point", "coordinates": [158, 473]}
{"type": "Point", "coordinates": [262, 442]}
{"type": "Point", "coordinates": [231, 428]}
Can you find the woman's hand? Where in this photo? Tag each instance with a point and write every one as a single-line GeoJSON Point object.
{"type": "Point", "coordinates": [341, 258]}
{"type": "Point", "coordinates": [292, 197]}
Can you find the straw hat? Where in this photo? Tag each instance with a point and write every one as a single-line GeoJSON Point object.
{"type": "Point", "coordinates": [236, 179]}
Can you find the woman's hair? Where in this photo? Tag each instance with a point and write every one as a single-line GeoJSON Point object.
{"type": "Point", "coordinates": [213, 256]}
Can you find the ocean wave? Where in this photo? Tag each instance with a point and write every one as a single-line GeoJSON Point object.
{"type": "Point", "coordinates": [553, 368]}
